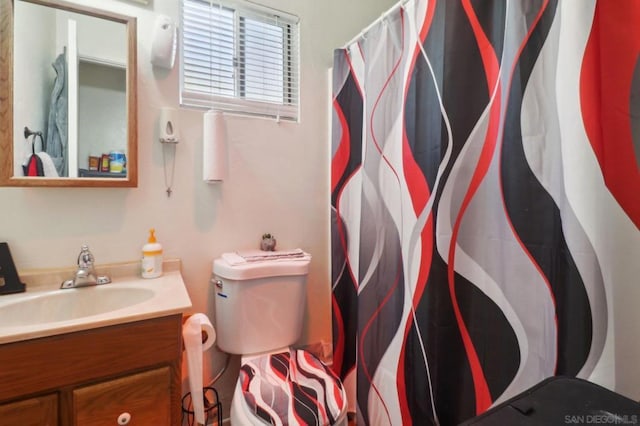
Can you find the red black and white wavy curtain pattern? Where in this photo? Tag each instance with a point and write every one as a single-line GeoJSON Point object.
{"type": "Point", "coordinates": [485, 204]}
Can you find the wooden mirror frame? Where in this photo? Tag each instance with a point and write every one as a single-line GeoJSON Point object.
{"type": "Point", "coordinates": [6, 101]}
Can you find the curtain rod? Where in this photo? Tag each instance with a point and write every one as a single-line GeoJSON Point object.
{"type": "Point", "coordinates": [393, 8]}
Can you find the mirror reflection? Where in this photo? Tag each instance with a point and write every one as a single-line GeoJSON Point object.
{"type": "Point", "coordinates": [68, 113]}
{"type": "Point", "coordinates": [69, 94]}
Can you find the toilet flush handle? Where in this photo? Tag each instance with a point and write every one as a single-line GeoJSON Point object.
{"type": "Point", "coordinates": [217, 282]}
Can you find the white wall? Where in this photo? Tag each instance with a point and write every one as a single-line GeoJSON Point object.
{"type": "Point", "coordinates": [31, 99]}
{"type": "Point", "coordinates": [102, 112]}
{"type": "Point", "coordinates": [278, 180]}
{"type": "Point", "coordinates": [97, 38]}
{"type": "Point", "coordinates": [111, 49]}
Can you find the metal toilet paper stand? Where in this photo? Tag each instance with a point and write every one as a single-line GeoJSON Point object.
{"type": "Point", "coordinates": [212, 407]}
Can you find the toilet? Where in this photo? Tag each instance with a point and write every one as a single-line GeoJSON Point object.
{"type": "Point", "coordinates": [259, 314]}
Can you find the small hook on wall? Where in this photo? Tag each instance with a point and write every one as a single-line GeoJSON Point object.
{"type": "Point", "coordinates": [28, 132]}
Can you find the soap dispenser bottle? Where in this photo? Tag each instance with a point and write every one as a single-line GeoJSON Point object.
{"type": "Point", "coordinates": [152, 257]}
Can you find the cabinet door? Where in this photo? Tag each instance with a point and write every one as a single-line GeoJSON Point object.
{"type": "Point", "coordinates": [139, 399]}
{"type": "Point", "coordinates": [40, 411]}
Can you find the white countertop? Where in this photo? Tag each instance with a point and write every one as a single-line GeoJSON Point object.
{"type": "Point", "coordinates": [162, 296]}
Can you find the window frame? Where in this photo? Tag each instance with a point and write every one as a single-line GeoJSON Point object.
{"type": "Point", "coordinates": [288, 109]}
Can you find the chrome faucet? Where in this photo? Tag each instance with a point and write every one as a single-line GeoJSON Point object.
{"type": "Point", "coordinates": [86, 274]}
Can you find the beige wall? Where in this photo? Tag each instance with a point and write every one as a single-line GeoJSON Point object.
{"type": "Point", "coordinates": [278, 180]}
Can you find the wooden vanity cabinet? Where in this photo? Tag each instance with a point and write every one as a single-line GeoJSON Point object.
{"type": "Point", "coordinates": [138, 399]}
{"type": "Point", "coordinates": [38, 411]}
{"type": "Point", "coordinates": [102, 376]}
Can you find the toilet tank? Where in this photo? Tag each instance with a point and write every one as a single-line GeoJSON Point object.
{"type": "Point", "coordinates": [259, 305]}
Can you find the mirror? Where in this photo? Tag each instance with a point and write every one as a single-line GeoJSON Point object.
{"type": "Point", "coordinates": [68, 114]}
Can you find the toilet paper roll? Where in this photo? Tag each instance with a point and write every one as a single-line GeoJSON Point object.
{"type": "Point", "coordinates": [214, 147]}
{"type": "Point", "coordinates": [194, 346]}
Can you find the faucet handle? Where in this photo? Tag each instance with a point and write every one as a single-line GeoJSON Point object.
{"type": "Point", "coordinates": [85, 258]}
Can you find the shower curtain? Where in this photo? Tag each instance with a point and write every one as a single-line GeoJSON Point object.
{"type": "Point", "coordinates": [485, 204]}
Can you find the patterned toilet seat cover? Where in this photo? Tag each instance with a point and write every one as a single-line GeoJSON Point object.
{"type": "Point", "coordinates": [292, 388]}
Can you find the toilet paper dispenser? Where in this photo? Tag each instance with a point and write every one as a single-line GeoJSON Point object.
{"type": "Point", "coordinates": [200, 403]}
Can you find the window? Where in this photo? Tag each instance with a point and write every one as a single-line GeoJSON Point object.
{"type": "Point", "coordinates": [239, 57]}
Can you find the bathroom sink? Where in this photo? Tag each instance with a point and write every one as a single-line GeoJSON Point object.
{"type": "Point", "coordinates": [47, 311]}
{"type": "Point", "coordinates": [65, 305]}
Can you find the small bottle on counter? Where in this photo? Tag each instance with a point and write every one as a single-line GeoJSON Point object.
{"type": "Point", "coordinates": [152, 257]}
{"type": "Point", "coordinates": [104, 163]}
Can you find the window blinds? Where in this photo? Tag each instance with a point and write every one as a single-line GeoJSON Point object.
{"type": "Point", "coordinates": [239, 57]}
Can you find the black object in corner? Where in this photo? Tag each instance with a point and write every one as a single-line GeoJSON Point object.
{"type": "Point", "coordinates": [561, 401]}
{"type": "Point", "coordinates": [9, 280]}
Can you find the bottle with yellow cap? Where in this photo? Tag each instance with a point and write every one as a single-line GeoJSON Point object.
{"type": "Point", "coordinates": [152, 257]}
